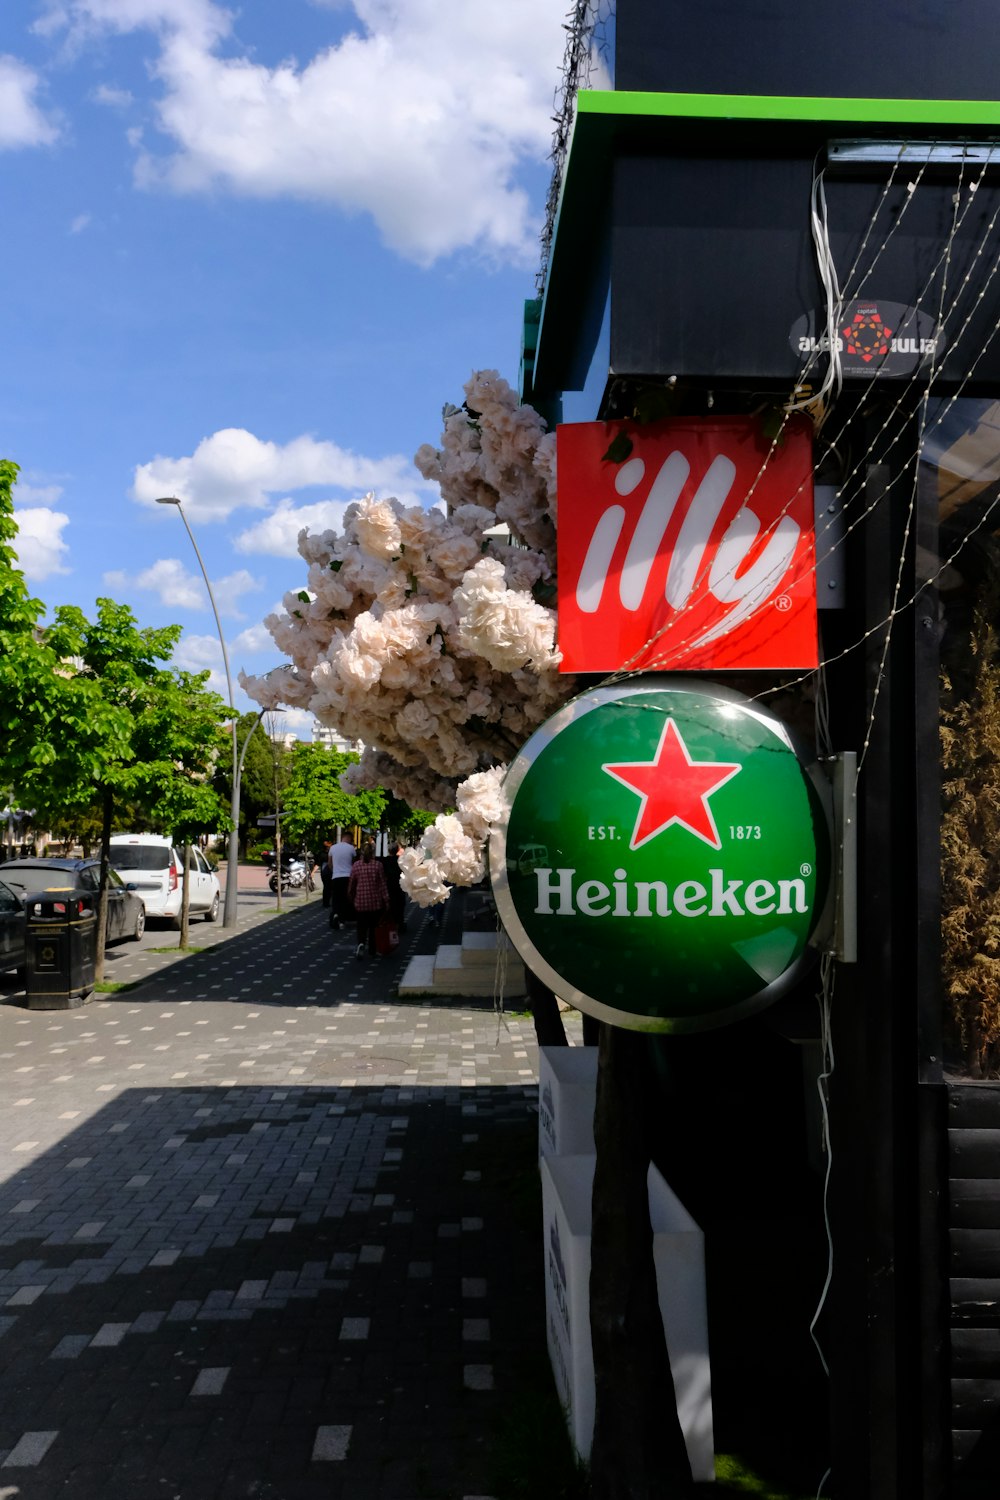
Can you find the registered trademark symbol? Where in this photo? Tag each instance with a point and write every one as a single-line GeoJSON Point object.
{"type": "Point", "coordinates": [783, 603]}
{"type": "Point", "coordinates": [805, 869]}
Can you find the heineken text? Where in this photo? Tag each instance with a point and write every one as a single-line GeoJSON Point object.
{"type": "Point", "coordinates": [560, 896]}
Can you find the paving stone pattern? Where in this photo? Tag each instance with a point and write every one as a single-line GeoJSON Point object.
{"type": "Point", "coordinates": [254, 1241]}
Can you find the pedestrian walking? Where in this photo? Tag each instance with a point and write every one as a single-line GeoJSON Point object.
{"type": "Point", "coordinates": [369, 895]}
{"type": "Point", "coordinates": [325, 873]}
{"type": "Point", "coordinates": [397, 900]}
{"type": "Point", "coordinates": [340, 862]}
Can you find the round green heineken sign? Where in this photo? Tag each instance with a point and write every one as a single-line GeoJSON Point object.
{"type": "Point", "coordinates": [665, 864]}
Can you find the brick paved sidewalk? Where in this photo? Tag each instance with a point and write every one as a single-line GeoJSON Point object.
{"type": "Point", "coordinates": [256, 1234]}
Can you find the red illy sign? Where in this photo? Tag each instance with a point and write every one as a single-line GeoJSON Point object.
{"type": "Point", "coordinates": [695, 552]}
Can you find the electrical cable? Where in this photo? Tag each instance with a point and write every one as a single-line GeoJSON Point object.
{"type": "Point", "coordinates": [825, 1000]}
{"type": "Point", "coordinates": [821, 710]}
{"type": "Point", "coordinates": [500, 980]}
{"type": "Point", "coordinates": [679, 649]}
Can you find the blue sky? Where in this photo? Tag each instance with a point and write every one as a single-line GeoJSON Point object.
{"type": "Point", "coordinates": [247, 254]}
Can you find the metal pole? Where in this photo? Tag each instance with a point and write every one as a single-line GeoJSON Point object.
{"type": "Point", "coordinates": [229, 917]}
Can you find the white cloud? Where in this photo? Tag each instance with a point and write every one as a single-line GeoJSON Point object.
{"type": "Point", "coordinates": [114, 98]}
{"type": "Point", "coordinates": [37, 494]}
{"type": "Point", "coordinates": [255, 638]}
{"type": "Point", "coordinates": [176, 588]}
{"type": "Point", "coordinates": [202, 20]}
{"type": "Point", "coordinates": [80, 223]}
{"type": "Point", "coordinates": [277, 534]}
{"type": "Point", "coordinates": [422, 115]}
{"type": "Point", "coordinates": [233, 468]}
{"type": "Point", "coordinates": [229, 590]}
{"type": "Point", "coordinates": [297, 721]}
{"type": "Point", "coordinates": [172, 584]}
{"type": "Point", "coordinates": [22, 123]}
{"type": "Point", "coordinates": [39, 545]}
{"type": "Point", "coordinates": [202, 653]}
{"type": "Point", "coordinates": [198, 653]}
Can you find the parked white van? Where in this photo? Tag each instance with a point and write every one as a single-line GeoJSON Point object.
{"type": "Point", "coordinates": [150, 865]}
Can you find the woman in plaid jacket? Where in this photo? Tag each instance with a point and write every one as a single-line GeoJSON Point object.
{"type": "Point", "coordinates": [369, 895]}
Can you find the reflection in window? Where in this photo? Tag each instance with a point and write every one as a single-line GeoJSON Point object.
{"type": "Point", "coordinates": [964, 447]}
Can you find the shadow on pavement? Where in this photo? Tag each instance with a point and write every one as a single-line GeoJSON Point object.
{"type": "Point", "coordinates": [284, 1293]}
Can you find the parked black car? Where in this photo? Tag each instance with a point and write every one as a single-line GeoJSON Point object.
{"type": "Point", "coordinates": [12, 923]}
{"type": "Point", "coordinates": [34, 877]}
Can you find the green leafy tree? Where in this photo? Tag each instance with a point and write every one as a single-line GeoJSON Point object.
{"type": "Point", "coordinates": [189, 807]}
{"type": "Point", "coordinates": [82, 825]}
{"type": "Point", "coordinates": [45, 703]}
{"type": "Point", "coordinates": [406, 822]}
{"type": "Point", "coordinates": [256, 780]}
{"type": "Point", "coordinates": [167, 732]}
{"type": "Point", "coordinates": [314, 802]}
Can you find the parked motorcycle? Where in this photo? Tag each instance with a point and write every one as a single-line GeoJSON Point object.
{"type": "Point", "coordinates": [296, 871]}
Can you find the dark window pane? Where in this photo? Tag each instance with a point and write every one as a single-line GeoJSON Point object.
{"type": "Point", "coordinates": [140, 856]}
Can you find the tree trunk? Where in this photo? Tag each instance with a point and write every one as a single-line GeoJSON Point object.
{"type": "Point", "coordinates": [638, 1450]}
{"type": "Point", "coordinates": [186, 897]}
{"type": "Point", "coordinates": [277, 845]}
{"type": "Point", "coordinates": [102, 893]}
{"type": "Point", "coordinates": [549, 1029]}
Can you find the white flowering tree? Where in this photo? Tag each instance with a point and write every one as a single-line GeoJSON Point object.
{"type": "Point", "coordinates": [431, 638]}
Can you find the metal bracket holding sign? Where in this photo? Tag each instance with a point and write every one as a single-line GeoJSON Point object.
{"type": "Point", "coordinates": [831, 531]}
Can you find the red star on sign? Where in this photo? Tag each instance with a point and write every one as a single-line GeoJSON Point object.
{"type": "Point", "coordinates": [674, 789]}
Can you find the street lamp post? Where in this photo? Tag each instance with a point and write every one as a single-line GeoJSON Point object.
{"type": "Point", "coordinates": [229, 917]}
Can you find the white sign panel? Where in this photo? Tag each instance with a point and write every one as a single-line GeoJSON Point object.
{"type": "Point", "coordinates": [679, 1256]}
{"type": "Point", "coordinates": [567, 1091]}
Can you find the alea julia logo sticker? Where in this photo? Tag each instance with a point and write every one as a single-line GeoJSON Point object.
{"type": "Point", "coordinates": [873, 338]}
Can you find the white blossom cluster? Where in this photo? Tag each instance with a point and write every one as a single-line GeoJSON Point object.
{"type": "Point", "coordinates": [429, 640]}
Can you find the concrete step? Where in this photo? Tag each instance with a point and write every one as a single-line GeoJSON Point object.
{"type": "Point", "coordinates": [418, 977]}
{"type": "Point", "coordinates": [443, 974]}
{"type": "Point", "coordinates": [457, 978]}
{"type": "Point", "coordinates": [480, 948]}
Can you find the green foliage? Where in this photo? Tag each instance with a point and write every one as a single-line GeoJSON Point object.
{"type": "Point", "coordinates": [970, 837]}
{"type": "Point", "coordinates": [257, 779]}
{"type": "Point", "coordinates": [732, 1474]}
{"type": "Point", "coordinates": [313, 802]}
{"type": "Point", "coordinates": [406, 822]}
{"type": "Point", "coordinates": [161, 727]}
{"type": "Point", "coordinates": [92, 716]}
{"type": "Point", "coordinates": [45, 703]}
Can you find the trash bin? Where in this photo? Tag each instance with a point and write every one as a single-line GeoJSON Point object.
{"type": "Point", "coordinates": [61, 942]}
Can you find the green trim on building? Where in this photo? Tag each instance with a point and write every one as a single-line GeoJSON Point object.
{"type": "Point", "coordinates": [833, 114]}
{"type": "Point", "coordinates": [612, 121]}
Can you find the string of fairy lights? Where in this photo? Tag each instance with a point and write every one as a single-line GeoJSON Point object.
{"type": "Point", "coordinates": [677, 648]}
{"type": "Point", "coordinates": [587, 28]}
{"type": "Point", "coordinates": [912, 504]}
